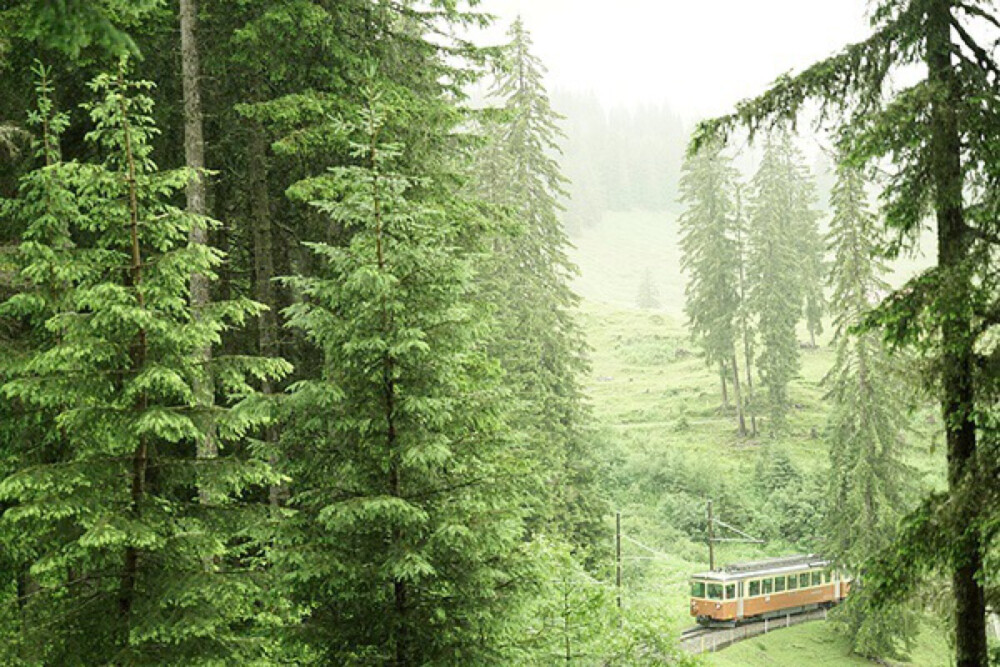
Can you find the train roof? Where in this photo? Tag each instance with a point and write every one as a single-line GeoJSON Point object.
{"type": "Point", "coordinates": [757, 568]}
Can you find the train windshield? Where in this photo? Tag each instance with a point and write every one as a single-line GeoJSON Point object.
{"type": "Point", "coordinates": [715, 591]}
{"type": "Point", "coordinates": [697, 589]}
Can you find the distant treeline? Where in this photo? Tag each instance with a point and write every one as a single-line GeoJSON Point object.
{"type": "Point", "coordinates": [618, 159]}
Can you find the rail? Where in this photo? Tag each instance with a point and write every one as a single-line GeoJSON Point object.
{"type": "Point", "coordinates": [702, 640]}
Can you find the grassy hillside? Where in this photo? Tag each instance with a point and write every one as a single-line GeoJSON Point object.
{"type": "Point", "coordinates": [817, 644]}
{"type": "Point", "coordinates": [614, 255]}
{"type": "Point", "coordinates": [670, 445]}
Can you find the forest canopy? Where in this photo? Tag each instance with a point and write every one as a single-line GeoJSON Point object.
{"type": "Point", "coordinates": [298, 362]}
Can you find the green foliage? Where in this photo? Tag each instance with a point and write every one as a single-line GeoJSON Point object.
{"type": "Point", "coordinates": [76, 26]}
{"type": "Point", "coordinates": [708, 241]}
{"type": "Point", "coordinates": [526, 279]}
{"type": "Point", "coordinates": [938, 138]}
{"type": "Point", "coordinates": [575, 613]}
{"type": "Point", "coordinates": [113, 531]}
{"type": "Point", "coordinates": [869, 481]}
{"type": "Point", "coordinates": [103, 516]}
{"type": "Point", "coordinates": [777, 269]}
{"type": "Point", "coordinates": [408, 540]}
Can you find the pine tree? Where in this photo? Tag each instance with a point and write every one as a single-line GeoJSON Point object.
{"type": "Point", "coordinates": [74, 26]}
{"type": "Point", "coordinates": [648, 297]}
{"type": "Point", "coordinates": [125, 565]}
{"type": "Point", "coordinates": [744, 317]}
{"type": "Point", "coordinates": [813, 277]}
{"type": "Point", "coordinates": [292, 71]}
{"type": "Point", "coordinates": [867, 494]}
{"type": "Point", "coordinates": [528, 280]}
{"type": "Point", "coordinates": [407, 548]}
{"type": "Point", "coordinates": [710, 258]}
{"type": "Point", "coordinates": [776, 294]}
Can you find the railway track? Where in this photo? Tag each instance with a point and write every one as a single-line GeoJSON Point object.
{"type": "Point", "coordinates": [700, 639]}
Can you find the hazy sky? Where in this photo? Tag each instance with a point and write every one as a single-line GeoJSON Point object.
{"type": "Point", "coordinates": [699, 56]}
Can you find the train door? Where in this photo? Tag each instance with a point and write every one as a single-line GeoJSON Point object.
{"type": "Point", "coordinates": [739, 600]}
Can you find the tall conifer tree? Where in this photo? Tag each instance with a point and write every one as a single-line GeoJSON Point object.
{"type": "Point", "coordinates": [780, 210]}
{"type": "Point", "coordinates": [528, 279]}
{"type": "Point", "coordinates": [407, 548]}
{"type": "Point", "coordinates": [812, 256]}
{"type": "Point", "coordinates": [744, 318]}
{"type": "Point", "coordinates": [126, 566]}
{"type": "Point", "coordinates": [711, 260]}
{"type": "Point", "coordinates": [865, 428]}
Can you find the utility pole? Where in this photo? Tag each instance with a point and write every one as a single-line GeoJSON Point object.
{"type": "Point", "coordinates": [618, 558]}
{"type": "Point", "coordinates": [711, 540]}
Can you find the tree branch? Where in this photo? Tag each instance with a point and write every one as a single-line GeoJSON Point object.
{"type": "Point", "coordinates": [855, 76]}
{"type": "Point", "coordinates": [982, 57]}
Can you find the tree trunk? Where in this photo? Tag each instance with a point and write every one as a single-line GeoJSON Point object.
{"type": "Point", "coordinates": [27, 588]}
{"type": "Point", "coordinates": [137, 360]}
{"type": "Point", "coordinates": [748, 356]}
{"type": "Point", "coordinates": [744, 325]}
{"type": "Point", "coordinates": [263, 264]}
{"type": "Point", "coordinates": [738, 398]}
{"type": "Point", "coordinates": [747, 353]}
{"type": "Point", "coordinates": [194, 158]}
{"type": "Point", "coordinates": [956, 335]}
{"type": "Point", "coordinates": [400, 603]}
{"type": "Point", "coordinates": [722, 381]}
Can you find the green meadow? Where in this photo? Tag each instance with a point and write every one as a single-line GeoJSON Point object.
{"type": "Point", "coordinates": [670, 444]}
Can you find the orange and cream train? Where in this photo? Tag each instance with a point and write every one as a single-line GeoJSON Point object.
{"type": "Point", "coordinates": [765, 589]}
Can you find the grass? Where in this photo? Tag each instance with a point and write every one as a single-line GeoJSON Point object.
{"type": "Point", "coordinates": [614, 256]}
{"type": "Point", "coordinates": [818, 643]}
{"type": "Point", "coordinates": [650, 388]}
{"type": "Point", "coordinates": [663, 424]}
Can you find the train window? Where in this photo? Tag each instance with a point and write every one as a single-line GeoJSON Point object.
{"type": "Point", "coordinates": [697, 589]}
{"type": "Point", "coordinates": [793, 582]}
{"type": "Point", "coordinates": [731, 592]}
{"type": "Point", "coordinates": [779, 584]}
{"type": "Point", "coordinates": [817, 578]}
{"type": "Point", "coordinates": [768, 586]}
{"type": "Point", "coordinates": [754, 588]}
{"type": "Point", "coordinates": [715, 591]}
{"type": "Point", "coordinates": [828, 576]}
{"type": "Point", "coordinates": [804, 580]}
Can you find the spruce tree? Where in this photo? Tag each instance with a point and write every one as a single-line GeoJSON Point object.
{"type": "Point", "coordinates": [710, 258]}
{"type": "Point", "coordinates": [868, 480]}
{"type": "Point", "coordinates": [123, 564]}
{"type": "Point", "coordinates": [527, 278]}
{"type": "Point", "coordinates": [780, 210]}
{"type": "Point", "coordinates": [812, 257]}
{"type": "Point", "coordinates": [648, 297]}
{"type": "Point", "coordinates": [744, 317]}
{"type": "Point", "coordinates": [407, 544]}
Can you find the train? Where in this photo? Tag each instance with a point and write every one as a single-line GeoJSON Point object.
{"type": "Point", "coordinates": [766, 589]}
